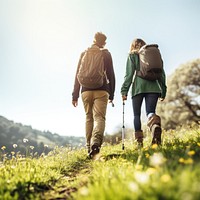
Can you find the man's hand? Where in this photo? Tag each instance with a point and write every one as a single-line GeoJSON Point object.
{"type": "Point", "coordinates": [75, 103]}
{"type": "Point", "coordinates": [111, 101]}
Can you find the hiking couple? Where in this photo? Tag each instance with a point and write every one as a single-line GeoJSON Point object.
{"type": "Point", "coordinates": [96, 92]}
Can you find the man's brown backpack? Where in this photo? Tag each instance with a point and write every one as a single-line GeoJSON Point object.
{"type": "Point", "coordinates": [92, 72]}
{"type": "Point", "coordinates": [151, 64]}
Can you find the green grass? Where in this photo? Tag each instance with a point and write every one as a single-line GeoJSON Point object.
{"type": "Point", "coordinates": [168, 172]}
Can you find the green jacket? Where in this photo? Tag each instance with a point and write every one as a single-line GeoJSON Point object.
{"type": "Point", "coordinates": [140, 85]}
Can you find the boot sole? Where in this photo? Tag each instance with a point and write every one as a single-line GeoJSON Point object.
{"type": "Point", "coordinates": [157, 135]}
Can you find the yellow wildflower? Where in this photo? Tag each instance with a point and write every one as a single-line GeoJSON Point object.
{"type": "Point", "coordinates": [151, 170]}
{"type": "Point", "coordinates": [147, 155]}
{"type": "Point", "coordinates": [181, 160]}
{"type": "Point", "coordinates": [154, 146]}
{"type": "Point", "coordinates": [138, 167]}
{"type": "Point", "coordinates": [191, 153]}
{"type": "Point", "coordinates": [165, 178]}
{"type": "Point", "coordinates": [146, 148]}
{"type": "Point", "coordinates": [189, 161]}
{"type": "Point", "coordinates": [198, 143]}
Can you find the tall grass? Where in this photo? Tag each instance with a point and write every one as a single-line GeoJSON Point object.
{"type": "Point", "coordinates": [171, 171]}
{"type": "Point", "coordinates": [168, 172]}
{"type": "Point", "coordinates": [30, 178]}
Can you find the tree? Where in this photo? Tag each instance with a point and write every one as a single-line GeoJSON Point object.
{"type": "Point", "coordinates": [182, 103]}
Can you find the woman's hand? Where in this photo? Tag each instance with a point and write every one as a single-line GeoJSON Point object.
{"type": "Point", "coordinates": [124, 97]}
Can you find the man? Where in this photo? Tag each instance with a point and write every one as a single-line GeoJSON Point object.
{"type": "Point", "coordinates": [95, 99]}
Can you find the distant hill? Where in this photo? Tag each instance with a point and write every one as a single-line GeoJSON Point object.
{"type": "Point", "coordinates": [18, 137]}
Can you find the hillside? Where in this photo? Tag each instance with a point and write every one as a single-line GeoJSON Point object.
{"type": "Point", "coordinates": [21, 136]}
{"type": "Point", "coordinates": [169, 172]}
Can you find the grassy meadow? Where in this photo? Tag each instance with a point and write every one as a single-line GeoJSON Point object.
{"type": "Point", "coordinates": [171, 171]}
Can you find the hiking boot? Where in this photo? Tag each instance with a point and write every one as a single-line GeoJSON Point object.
{"type": "Point", "coordinates": [94, 151]}
{"type": "Point", "coordinates": [154, 124]}
{"type": "Point", "coordinates": [154, 119]}
{"type": "Point", "coordinates": [139, 138]}
{"type": "Point", "coordinates": [156, 132]}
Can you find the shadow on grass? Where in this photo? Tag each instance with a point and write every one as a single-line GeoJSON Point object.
{"type": "Point", "coordinates": [49, 190]}
{"type": "Point", "coordinates": [29, 190]}
{"type": "Point", "coordinates": [128, 155]}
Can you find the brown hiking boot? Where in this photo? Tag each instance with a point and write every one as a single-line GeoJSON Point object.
{"type": "Point", "coordinates": [154, 124]}
{"type": "Point", "coordinates": [139, 138]}
{"type": "Point", "coordinates": [94, 151]}
{"type": "Point", "coordinates": [156, 132]}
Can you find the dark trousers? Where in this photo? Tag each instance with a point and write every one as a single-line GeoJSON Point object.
{"type": "Point", "coordinates": [151, 100]}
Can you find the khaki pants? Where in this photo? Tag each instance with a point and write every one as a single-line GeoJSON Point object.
{"type": "Point", "coordinates": [95, 105]}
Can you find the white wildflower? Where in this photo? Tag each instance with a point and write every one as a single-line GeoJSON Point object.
{"type": "Point", "coordinates": [25, 140]}
{"type": "Point", "coordinates": [84, 191]}
{"type": "Point", "coordinates": [141, 177]}
{"type": "Point", "coordinates": [133, 186]}
{"type": "Point", "coordinates": [3, 147]}
{"type": "Point", "coordinates": [157, 159]}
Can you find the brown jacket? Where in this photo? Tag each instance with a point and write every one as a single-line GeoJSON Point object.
{"type": "Point", "coordinates": [110, 88]}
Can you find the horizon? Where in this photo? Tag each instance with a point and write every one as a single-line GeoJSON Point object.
{"type": "Point", "coordinates": [42, 41]}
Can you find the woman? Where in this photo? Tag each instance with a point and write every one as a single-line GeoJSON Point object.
{"type": "Point", "coordinates": [151, 91]}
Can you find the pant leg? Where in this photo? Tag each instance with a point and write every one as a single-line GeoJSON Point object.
{"type": "Point", "coordinates": [87, 98]}
{"type": "Point", "coordinates": [137, 103]}
{"type": "Point", "coordinates": [154, 121]}
{"type": "Point", "coordinates": [99, 115]}
{"type": "Point", "coordinates": [151, 100]}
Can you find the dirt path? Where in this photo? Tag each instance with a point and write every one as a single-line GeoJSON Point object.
{"type": "Point", "coordinates": [69, 183]}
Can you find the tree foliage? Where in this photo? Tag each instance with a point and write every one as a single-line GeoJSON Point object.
{"type": "Point", "coordinates": [182, 103]}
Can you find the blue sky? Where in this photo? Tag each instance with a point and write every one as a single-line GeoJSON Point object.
{"type": "Point", "coordinates": [41, 41]}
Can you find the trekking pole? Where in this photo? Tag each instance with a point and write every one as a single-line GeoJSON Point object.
{"type": "Point", "coordinates": [123, 128]}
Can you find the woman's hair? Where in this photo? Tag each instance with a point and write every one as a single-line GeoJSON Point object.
{"type": "Point", "coordinates": [136, 45]}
